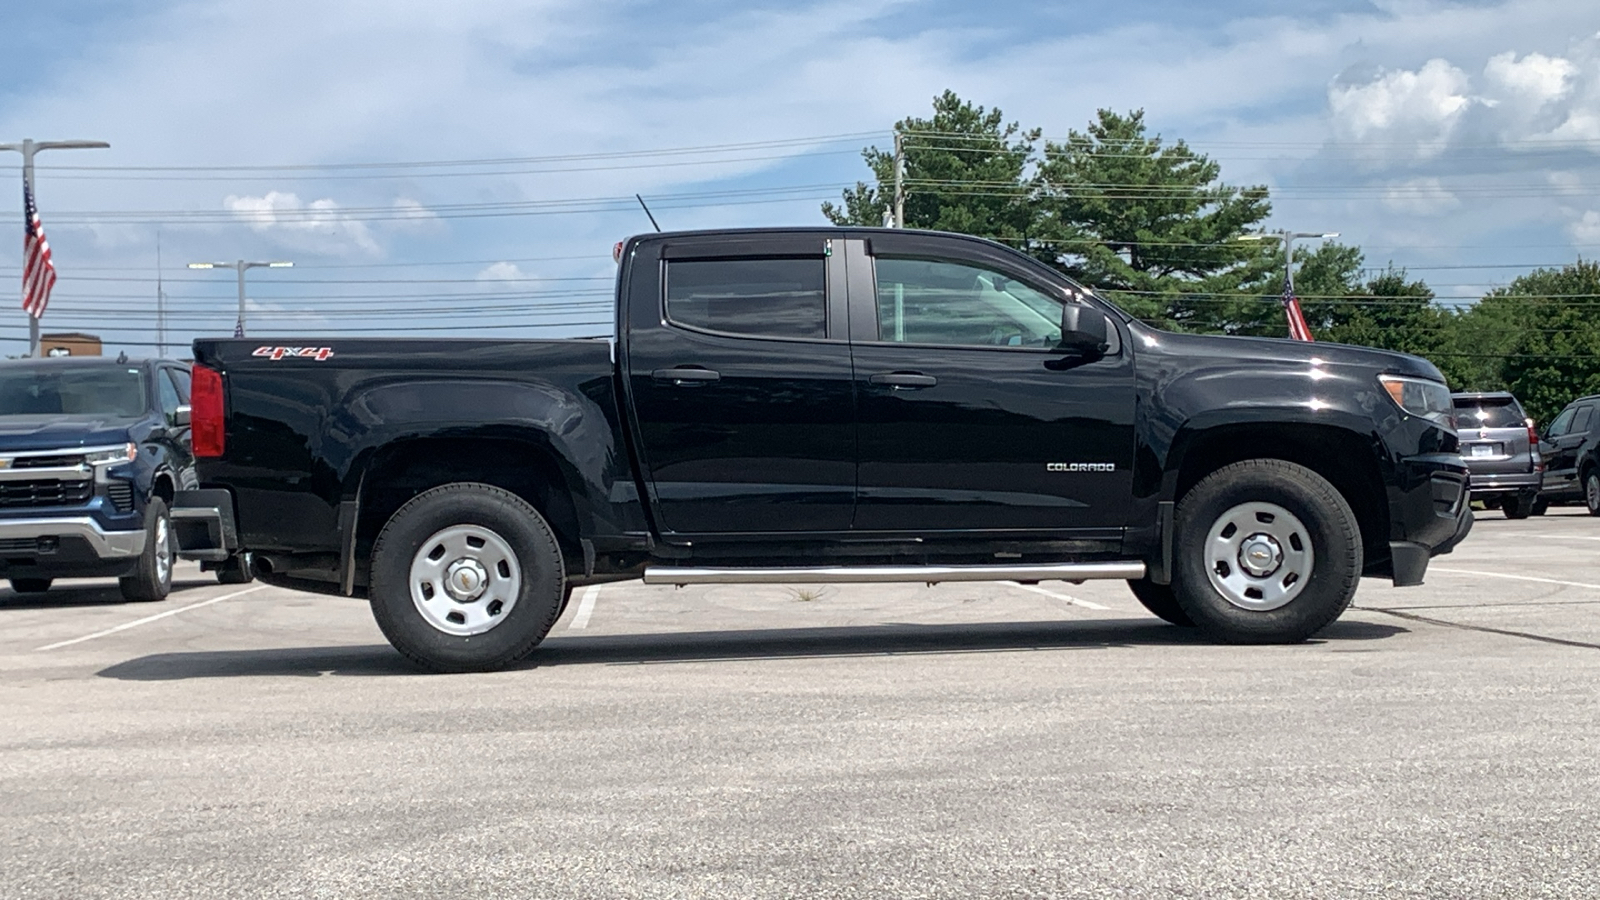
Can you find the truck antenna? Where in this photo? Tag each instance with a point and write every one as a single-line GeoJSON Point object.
{"type": "Point", "coordinates": [647, 211]}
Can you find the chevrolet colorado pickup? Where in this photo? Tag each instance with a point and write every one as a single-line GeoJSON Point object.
{"type": "Point", "coordinates": [825, 405]}
{"type": "Point", "coordinates": [92, 452]}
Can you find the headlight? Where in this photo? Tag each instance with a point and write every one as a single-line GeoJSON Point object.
{"type": "Point", "coordinates": [110, 455]}
{"type": "Point", "coordinates": [1421, 397]}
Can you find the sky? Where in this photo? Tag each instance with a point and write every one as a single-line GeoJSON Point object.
{"type": "Point", "coordinates": [463, 169]}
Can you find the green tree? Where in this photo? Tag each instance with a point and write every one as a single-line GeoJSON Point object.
{"type": "Point", "coordinates": [965, 171]}
{"type": "Point", "coordinates": [1125, 212]}
{"type": "Point", "coordinates": [1552, 351]}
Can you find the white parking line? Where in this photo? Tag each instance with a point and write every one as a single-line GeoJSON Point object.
{"type": "Point", "coordinates": [147, 619]}
{"type": "Point", "coordinates": [585, 608]}
{"type": "Point", "coordinates": [1578, 584]}
{"type": "Point", "coordinates": [1072, 600]}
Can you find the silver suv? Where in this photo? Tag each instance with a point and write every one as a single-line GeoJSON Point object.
{"type": "Point", "coordinates": [1501, 450]}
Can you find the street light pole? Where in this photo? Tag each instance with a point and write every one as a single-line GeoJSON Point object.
{"type": "Point", "coordinates": [28, 148]}
{"type": "Point", "coordinates": [241, 266]}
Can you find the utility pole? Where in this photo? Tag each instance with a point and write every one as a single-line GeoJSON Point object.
{"type": "Point", "coordinates": [28, 148]}
{"type": "Point", "coordinates": [161, 305]}
{"type": "Point", "coordinates": [899, 180]}
{"type": "Point", "coordinates": [241, 266]}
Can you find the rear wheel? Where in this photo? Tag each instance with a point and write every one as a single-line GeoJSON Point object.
{"type": "Point", "coordinates": [30, 585]}
{"type": "Point", "coordinates": [1517, 506]}
{"type": "Point", "coordinates": [1591, 491]}
{"type": "Point", "coordinates": [466, 577]}
{"type": "Point", "coordinates": [1540, 506]}
{"type": "Point", "coordinates": [152, 580]}
{"type": "Point", "coordinates": [1267, 552]}
{"type": "Point", "coordinates": [1159, 599]}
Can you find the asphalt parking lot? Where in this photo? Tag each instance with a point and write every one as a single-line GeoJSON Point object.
{"type": "Point", "coordinates": [984, 740]}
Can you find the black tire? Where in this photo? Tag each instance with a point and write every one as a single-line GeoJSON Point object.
{"type": "Point", "coordinates": [1330, 529]}
{"type": "Point", "coordinates": [539, 565]}
{"type": "Point", "coordinates": [1159, 599]}
{"type": "Point", "coordinates": [1517, 507]}
{"type": "Point", "coordinates": [152, 580]}
{"type": "Point", "coordinates": [1540, 507]}
{"type": "Point", "coordinates": [1591, 491]}
{"type": "Point", "coordinates": [30, 585]}
{"type": "Point", "coordinates": [235, 570]}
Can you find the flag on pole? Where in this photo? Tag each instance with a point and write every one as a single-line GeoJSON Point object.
{"type": "Point", "coordinates": [1298, 329]}
{"type": "Point", "coordinates": [238, 328]}
{"type": "Point", "coordinates": [38, 272]}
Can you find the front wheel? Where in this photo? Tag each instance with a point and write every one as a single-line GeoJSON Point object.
{"type": "Point", "coordinates": [1591, 491]}
{"type": "Point", "coordinates": [1267, 552]}
{"type": "Point", "coordinates": [466, 577]}
{"type": "Point", "coordinates": [152, 579]}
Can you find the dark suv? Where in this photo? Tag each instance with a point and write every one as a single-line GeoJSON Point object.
{"type": "Point", "coordinates": [91, 453]}
{"type": "Point", "coordinates": [1501, 450]}
{"type": "Point", "coordinates": [1572, 455]}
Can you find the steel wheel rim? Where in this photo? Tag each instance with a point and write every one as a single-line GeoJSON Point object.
{"type": "Point", "coordinates": [1258, 556]}
{"type": "Point", "coordinates": [163, 551]}
{"type": "Point", "coordinates": [465, 580]}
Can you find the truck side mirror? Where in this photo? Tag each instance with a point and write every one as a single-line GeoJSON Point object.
{"type": "Point", "coordinates": [1083, 330]}
{"type": "Point", "coordinates": [180, 417]}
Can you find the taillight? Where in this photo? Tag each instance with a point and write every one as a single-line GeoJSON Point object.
{"type": "Point", "coordinates": [1533, 448]}
{"type": "Point", "coordinates": [205, 412]}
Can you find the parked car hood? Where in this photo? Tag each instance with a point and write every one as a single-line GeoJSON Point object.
{"type": "Point", "coordinates": [20, 433]}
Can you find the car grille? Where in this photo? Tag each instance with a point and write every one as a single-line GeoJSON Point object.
{"type": "Point", "coordinates": [44, 492]}
{"type": "Point", "coordinates": [58, 461]}
{"type": "Point", "coordinates": [121, 494]}
{"type": "Point", "coordinates": [19, 545]}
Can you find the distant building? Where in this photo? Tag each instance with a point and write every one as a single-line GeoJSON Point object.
{"type": "Point", "coordinates": [70, 343]}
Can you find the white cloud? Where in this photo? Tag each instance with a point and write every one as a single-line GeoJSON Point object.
{"type": "Point", "coordinates": [1420, 197]}
{"type": "Point", "coordinates": [409, 215]}
{"type": "Point", "coordinates": [320, 226]}
{"type": "Point", "coordinates": [502, 271]}
{"type": "Point", "coordinates": [1416, 110]}
{"type": "Point", "coordinates": [1535, 79]}
{"type": "Point", "coordinates": [1585, 230]}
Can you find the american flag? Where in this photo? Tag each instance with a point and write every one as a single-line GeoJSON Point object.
{"type": "Point", "coordinates": [238, 328]}
{"type": "Point", "coordinates": [1298, 329]}
{"type": "Point", "coordinates": [38, 272]}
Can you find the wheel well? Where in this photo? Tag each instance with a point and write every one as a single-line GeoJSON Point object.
{"type": "Point", "coordinates": [402, 470]}
{"type": "Point", "coordinates": [162, 487]}
{"type": "Point", "coordinates": [1347, 460]}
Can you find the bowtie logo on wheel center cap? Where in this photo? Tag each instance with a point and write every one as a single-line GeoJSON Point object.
{"type": "Point", "coordinates": [1260, 555]}
{"type": "Point", "coordinates": [465, 580]}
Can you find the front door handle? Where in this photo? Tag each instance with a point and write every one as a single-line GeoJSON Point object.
{"type": "Point", "coordinates": [904, 379]}
{"type": "Point", "coordinates": [686, 375]}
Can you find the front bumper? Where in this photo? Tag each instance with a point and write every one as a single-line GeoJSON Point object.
{"type": "Point", "coordinates": [1429, 513]}
{"type": "Point", "coordinates": [26, 537]}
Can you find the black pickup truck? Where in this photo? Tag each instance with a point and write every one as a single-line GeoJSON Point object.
{"type": "Point", "coordinates": [825, 405]}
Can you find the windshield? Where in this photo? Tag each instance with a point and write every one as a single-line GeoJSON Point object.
{"type": "Point", "coordinates": [1489, 414]}
{"type": "Point", "coordinates": [100, 391]}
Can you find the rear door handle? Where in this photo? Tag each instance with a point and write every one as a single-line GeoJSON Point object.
{"type": "Point", "coordinates": [904, 379]}
{"type": "Point", "coordinates": [686, 375]}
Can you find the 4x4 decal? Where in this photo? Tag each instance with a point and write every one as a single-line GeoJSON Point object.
{"type": "Point", "coordinates": [317, 353]}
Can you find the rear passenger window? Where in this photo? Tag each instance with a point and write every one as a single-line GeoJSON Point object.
{"type": "Point", "coordinates": [1580, 422]}
{"type": "Point", "coordinates": [767, 297]}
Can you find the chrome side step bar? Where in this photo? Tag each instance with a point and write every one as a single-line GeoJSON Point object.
{"type": "Point", "coordinates": [682, 575]}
